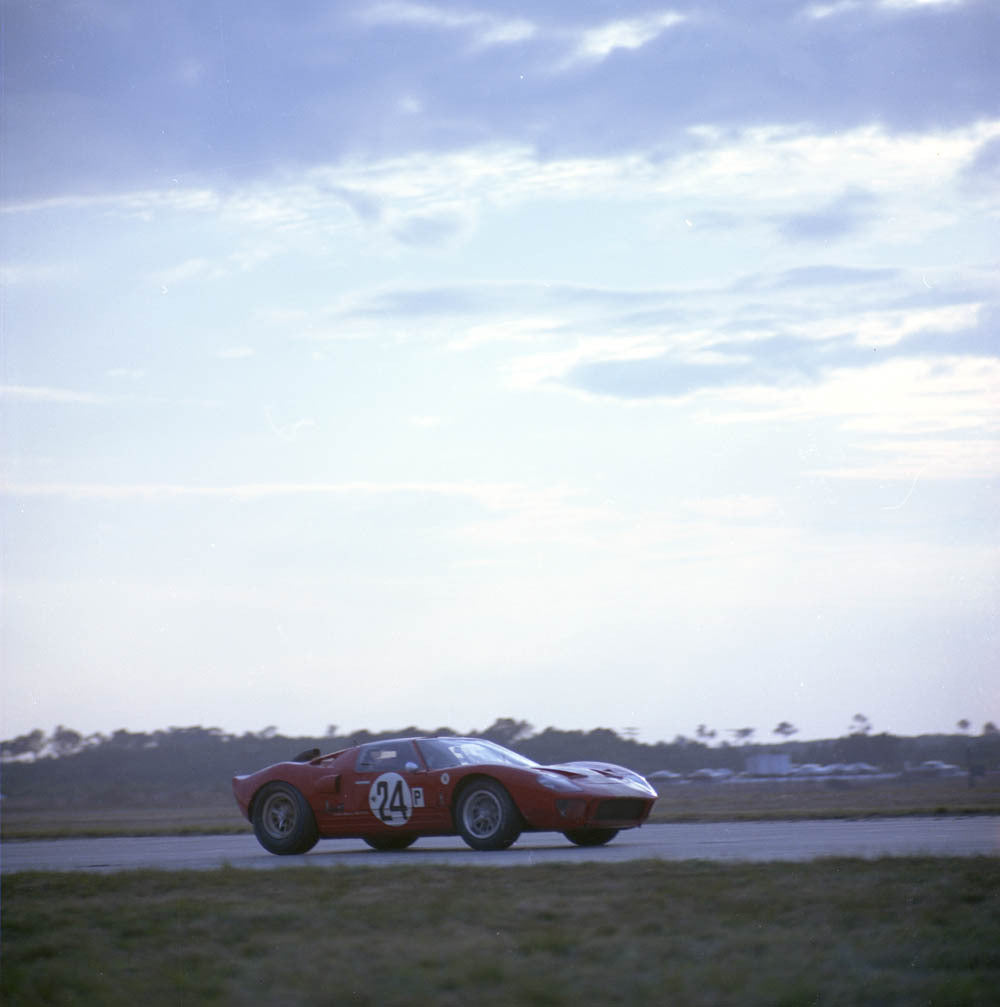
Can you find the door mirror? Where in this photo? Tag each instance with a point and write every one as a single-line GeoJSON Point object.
{"type": "Point", "coordinates": [411, 767]}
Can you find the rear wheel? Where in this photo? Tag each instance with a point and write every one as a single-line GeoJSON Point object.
{"type": "Point", "coordinates": [283, 822]}
{"type": "Point", "coordinates": [385, 844]}
{"type": "Point", "coordinates": [590, 837]}
{"type": "Point", "coordinates": [486, 816]}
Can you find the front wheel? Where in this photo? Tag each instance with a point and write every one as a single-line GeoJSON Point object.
{"type": "Point", "coordinates": [486, 816]}
{"type": "Point", "coordinates": [590, 837]}
{"type": "Point", "coordinates": [283, 822]}
{"type": "Point", "coordinates": [385, 844]}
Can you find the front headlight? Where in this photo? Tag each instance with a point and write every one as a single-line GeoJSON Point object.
{"type": "Point", "coordinates": [640, 782]}
{"type": "Point", "coordinates": [553, 781]}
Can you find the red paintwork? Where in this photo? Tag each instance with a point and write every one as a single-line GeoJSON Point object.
{"type": "Point", "coordinates": [343, 798]}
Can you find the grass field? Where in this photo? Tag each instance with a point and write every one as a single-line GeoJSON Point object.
{"type": "Point", "coordinates": [695, 802]}
{"type": "Point", "coordinates": [826, 799]}
{"type": "Point", "coordinates": [840, 932]}
{"type": "Point", "coordinates": [184, 819]}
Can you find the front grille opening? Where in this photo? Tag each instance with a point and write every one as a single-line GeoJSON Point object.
{"type": "Point", "coordinates": [620, 809]}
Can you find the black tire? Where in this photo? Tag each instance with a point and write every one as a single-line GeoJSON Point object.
{"type": "Point", "coordinates": [486, 817]}
{"type": "Point", "coordinates": [590, 837]}
{"type": "Point", "coordinates": [283, 822]}
{"type": "Point", "coordinates": [386, 844]}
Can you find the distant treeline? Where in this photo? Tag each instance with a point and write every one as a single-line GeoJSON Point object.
{"type": "Point", "coordinates": [195, 763]}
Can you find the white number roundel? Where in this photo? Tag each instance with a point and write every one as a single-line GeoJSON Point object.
{"type": "Point", "coordinates": [390, 799]}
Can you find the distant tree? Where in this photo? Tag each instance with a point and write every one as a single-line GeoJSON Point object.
{"type": "Point", "coordinates": [860, 724]}
{"type": "Point", "coordinates": [963, 725]}
{"type": "Point", "coordinates": [990, 728]}
{"type": "Point", "coordinates": [331, 731]}
{"type": "Point", "coordinates": [507, 731]}
{"type": "Point", "coordinates": [785, 729]}
{"type": "Point", "coordinates": [704, 733]}
{"type": "Point", "coordinates": [25, 744]}
{"type": "Point", "coordinates": [66, 741]}
{"type": "Point", "coordinates": [743, 734]}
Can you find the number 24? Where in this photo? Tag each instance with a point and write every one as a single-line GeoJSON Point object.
{"type": "Point", "coordinates": [390, 807]}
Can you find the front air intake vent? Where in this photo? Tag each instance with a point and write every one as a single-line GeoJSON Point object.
{"type": "Point", "coordinates": [620, 809]}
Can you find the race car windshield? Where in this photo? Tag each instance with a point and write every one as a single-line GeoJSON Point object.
{"type": "Point", "coordinates": [442, 753]}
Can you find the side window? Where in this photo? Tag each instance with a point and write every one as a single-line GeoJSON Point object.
{"type": "Point", "coordinates": [437, 755]}
{"type": "Point", "coordinates": [381, 757]}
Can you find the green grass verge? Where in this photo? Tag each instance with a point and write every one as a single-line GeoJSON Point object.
{"type": "Point", "coordinates": [183, 819]}
{"type": "Point", "coordinates": [843, 932]}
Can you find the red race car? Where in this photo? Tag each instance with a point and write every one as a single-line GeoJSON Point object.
{"type": "Point", "coordinates": [389, 793]}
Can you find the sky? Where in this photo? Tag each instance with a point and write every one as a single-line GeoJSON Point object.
{"type": "Point", "coordinates": [597, 364]}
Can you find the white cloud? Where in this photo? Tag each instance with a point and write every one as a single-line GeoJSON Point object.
{"type": "Point", "coordinates": [525, 329]}
{"type": "Point", "coordinates": [824, 10]}
{"type": "Point", "coordinates": [410, 105]}
{"type": "Point", "coordinates": [820, 11]}
{"type": "Point", "coordinates": [551, 366]}
{"type": "Point", "coordinates": [235, 353]}
{"type": "Point", "coordinates": [734, 508]}
{"type": "Point", "coordinates": [553, 516]}
{"type": "Point", "coordinates": [817, 321]}
{"type": "Point", "coordinates": [889, 327]}
{"type": "Point", "coordinates": [423, 230]}
{"type": "Point", "coordinates": [773, 170]}
{"type": "Point", "coordinates": [937, 418]}
{"type": "Point", "coordinates": [202, 269]}
{"type": "Point", "coordinates": [917, 460]}
{"type": "Point", "coordinates": [910, 4]}
{"type": "Point", "coordinates": [918, 396]}
{"type": "Point", "coordinates": [190, 269]}
{"type": "Point", "coordinates": [903, 397]}
{"type": "Point", "coordinates": [491, 494]}
{"type": "Point", "coordinates": [753, 176]}
{"type": "Point", "coordinates": [288, 431]}
{"type": "Point", "coordinates": [596, 44]}
{"type": "Point", "coordinates": [487, 29]}
{"type": "Point", "coordinates": [782, 165]}
{"type": "Point", "coordinates": [42, 394]}
{"type": "Point", "coordinates": [512, 513]}
{"type": "Point", "coordinates": [15, 275]}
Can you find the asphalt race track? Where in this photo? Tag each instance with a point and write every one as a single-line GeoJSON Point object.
{"type": "Point", "coordinates": [733, 841]}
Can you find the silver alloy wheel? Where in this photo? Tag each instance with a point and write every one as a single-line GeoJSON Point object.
{"type": "Point", "coordinates": [278, 815]}
{"type": "Point", "coordinates": [483, 814]}
{"type": "Point", "coordinates": [283, 821]}
{"type": "Point", "coordinates": [486, 817]}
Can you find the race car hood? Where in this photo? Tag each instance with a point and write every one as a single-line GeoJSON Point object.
{"type": "Point", "coordinates": [603, 772]}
